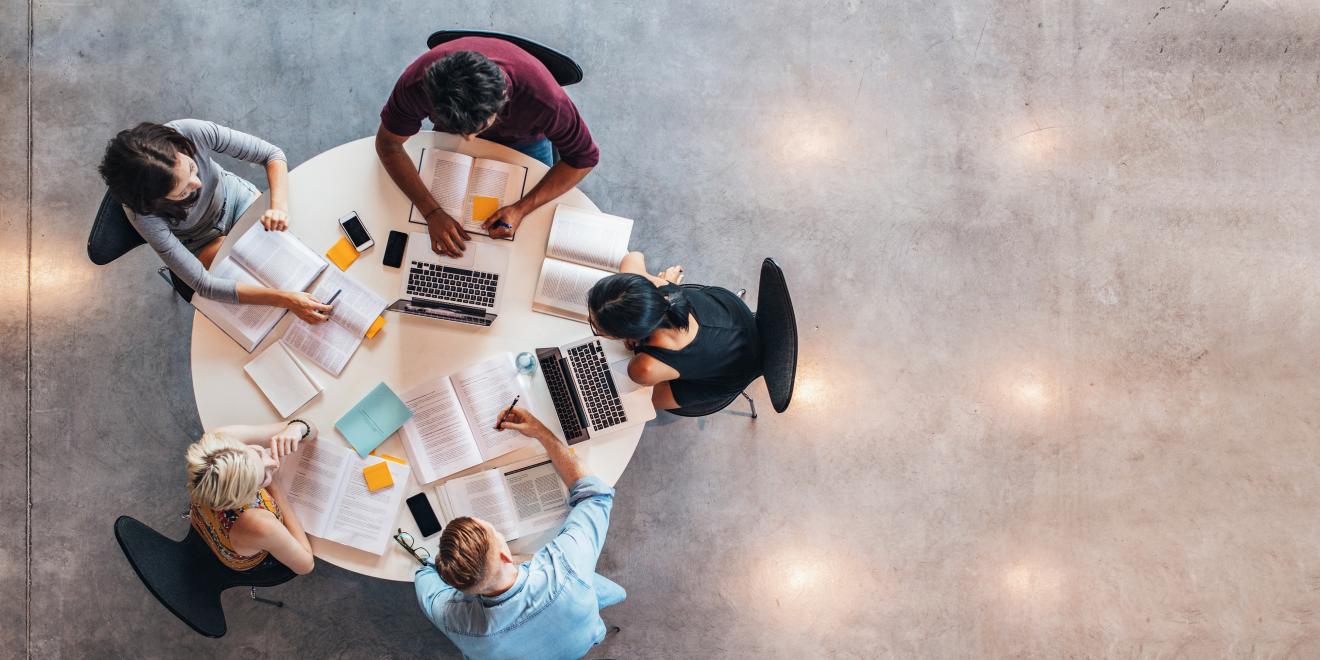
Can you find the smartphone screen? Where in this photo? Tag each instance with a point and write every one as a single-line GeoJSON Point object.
{"type": "Point", "coordinates": [355, 230]}
{"type": "Point", "coordinates": [423, 514]}
{"type": "Point", "coordinates": [394, 249]}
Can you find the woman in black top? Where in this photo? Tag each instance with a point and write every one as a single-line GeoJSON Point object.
{"type": "Point", "coordinates": [696, 344]}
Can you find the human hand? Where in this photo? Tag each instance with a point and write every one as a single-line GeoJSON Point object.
{"type": "Point", "coordinates": [308, 308]}
{"type": "Point", "coordinates": [524, 422]}
{"type": "Point", "coordinates": [275, 220]}
{"type": "Point", "coordinates": [447, 235]}
{"type": "Point", "coordinates": [286, 441]}
{"type": "Point", "coordinates": [673, 274]}
{"type": "Point", "coordinates": [511, 215]}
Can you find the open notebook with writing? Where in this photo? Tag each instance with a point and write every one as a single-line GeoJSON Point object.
{"type": "Point", "coordinates": [584, 247]}
{"type": "Point", "coordinates": [324, 484]}
{"type": "Point", "coordinates": [454, 179]}
{"type": "Point", "coordinates": [276, 259]}
{"type": "Point", "coordinates": [518, 500]}
{"type": "Point", "coordinates": [331, 343]}
{"type": "Point", "coordinates": [453, 422]}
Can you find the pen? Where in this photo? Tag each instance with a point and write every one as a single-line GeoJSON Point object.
{"type": "Point", "coordinates": [500, 421]}
{"type": "Point", "coordinates": [331, 301]}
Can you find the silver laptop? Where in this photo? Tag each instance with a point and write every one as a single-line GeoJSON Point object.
{"type": "Point", "coordinates": [589, 384]}
{"type": "Point", "coordinates": [467, 289]}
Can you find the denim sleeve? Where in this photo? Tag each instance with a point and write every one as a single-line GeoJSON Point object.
{"type": "Point", "coordinates": [225, 140]}
{"type": "Point", "coordinates": [183, 263]}
{"type": "Point", "coordinates": [583, 534]}
{"type": "Point", "coordinates": [430, 591]}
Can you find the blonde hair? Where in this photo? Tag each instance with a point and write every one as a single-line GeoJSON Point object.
{"type": "Point", "coordinates": [222, 474]}
{"type": "Point", "coordinates": [461, 560]}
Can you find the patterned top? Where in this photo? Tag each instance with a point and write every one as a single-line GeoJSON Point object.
{"type": "Point", "coordinates": [214, 526]}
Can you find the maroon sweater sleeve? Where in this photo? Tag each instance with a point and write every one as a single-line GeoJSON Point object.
{"type": "Point", "coordinates": [566, 130]}
{"type": "Point", "coordinates": [407, 106]}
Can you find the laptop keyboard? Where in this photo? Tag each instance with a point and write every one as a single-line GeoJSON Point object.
{"type": "Point", "coordinates": [456, 285]}
{"type": "Point", "coordinates": [554, 380]}
{"type": "Point", "coordinates": [596, 386]}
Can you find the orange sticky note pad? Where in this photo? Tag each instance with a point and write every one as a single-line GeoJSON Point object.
{"type": "Point", "coordinates": [377, 476]}
{"type": "Point", "coordinates": [483, 207]}
{"type": "Point", "coordinates": [375, 327]}
{"type": "Point", "coordinates": [342, 253]}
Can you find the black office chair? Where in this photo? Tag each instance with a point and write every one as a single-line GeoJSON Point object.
{"type": "Point", "coordinates": [113, 236]}
{"type": "Point", "coordinates": [562, 67]}
{"type": "Point", "coordinates": [186, 577]}
{"type": "Point", "coordinates": [776, 325]}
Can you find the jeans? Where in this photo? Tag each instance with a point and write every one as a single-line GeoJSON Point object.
{"type": "Point", "coordinates": [607, 591]}
{"type": "Point", "coordinates": [538, 149]}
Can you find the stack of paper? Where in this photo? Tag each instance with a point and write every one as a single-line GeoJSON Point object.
{"type": "Point", "coordinates": [287, 384]}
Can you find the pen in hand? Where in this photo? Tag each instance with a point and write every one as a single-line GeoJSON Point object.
{"type": "Point", "coordinates": [331, 301]}
{"type": "Point", "coordinates": [499, 424]}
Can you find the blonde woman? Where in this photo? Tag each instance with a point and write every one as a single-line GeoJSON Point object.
{"type": "Point", "coordinates": [236, 507]}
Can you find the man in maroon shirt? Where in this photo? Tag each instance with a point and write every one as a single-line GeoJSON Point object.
{"type": "Point", "coordinates": [479, 86]}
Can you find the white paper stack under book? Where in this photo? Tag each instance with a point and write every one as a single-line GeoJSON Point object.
{"type": "Point", "coordinates": [330, 344]}
{"type": "Point", "coordinates": [584, 247]}
{"type": "Point", "coordinates": [324, 484]}
{"type": "Point", "coordinates": [276, 259]}
{"type": "Point", "coordinates": [454, 179]}
{"type": "Point", "coordinates": [518, 500]}
{"type": "Point", "coordinates": [278, 373]}
{"type": "Point", "coordinates": [454, 417]}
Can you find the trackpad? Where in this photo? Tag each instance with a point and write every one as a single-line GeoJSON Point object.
{"type": "Point", "coordinates": [619, 372]}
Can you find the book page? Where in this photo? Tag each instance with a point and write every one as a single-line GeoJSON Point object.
{"type": "Point", "coordinates": [445, 174]}
{"type": "Point", "coordinates": [279, 376]}
{"type": "Point", "coordinates": [363, 519]}
{"type": "Point", "coordinates": [492, 178]}
{"type": "Point", "coordinates": [356, 308]}
{"type": "Point", "coordinates": [328, 345]}
{"type": "Point", "coordinates": [589, 238]}
{"type": "Point", "coordinates": [277, 258]}
{"type": "Point", "coordinates": [311, 482]}
{"type": "Point", "coordinates": [562, 288]}
{"type": "Point", "coordinates": [539, 497]}
{"type": "Point", "coordinates": [250, 322]}
{"type": "Point", "coordinates": [437, 438]}
{"type": "Point", "coordinates": [482, 495]}
{"type": "Point", "coordinates": [485, 390]}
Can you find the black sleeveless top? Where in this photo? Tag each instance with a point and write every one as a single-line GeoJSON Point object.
{"type": "Point", "coordinates": [723, 358]}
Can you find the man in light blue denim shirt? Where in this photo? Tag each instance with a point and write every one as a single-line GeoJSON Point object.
{"type": "Point", "coordinates": [549, 607]}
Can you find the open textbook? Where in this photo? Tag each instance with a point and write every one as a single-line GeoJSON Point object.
{"type": "Point", "coordinates": [453, 422]}
{"type": "Point", "coordinates": [330, 344]}
{"type": "Point", "coordinates": [276, 259]}
{"type": "Point", "coordinates": [584, 247]}
{"type": "Point", "coordinates": [454, 179]}
{"type": "Point", "coordinates": [518, 500]}
{"type": "Point", "coordinates": [324, 484]}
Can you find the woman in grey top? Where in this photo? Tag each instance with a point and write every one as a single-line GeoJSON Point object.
{"type": "Point", "coordinates": [184, 203]}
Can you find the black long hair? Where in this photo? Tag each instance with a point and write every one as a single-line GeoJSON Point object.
{"type": "Point", "coordinates": [138, 167]}
{"type": "Point", "coordinates": [629, 306]}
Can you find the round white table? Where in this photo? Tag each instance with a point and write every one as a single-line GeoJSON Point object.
{"type": "Point", "coordinates": [408, 349]}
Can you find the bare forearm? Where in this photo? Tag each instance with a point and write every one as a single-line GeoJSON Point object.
{"type": "Point", "coordinates": [277, 175]}
{"type": "Point", "coordinates": [404, 175]}
{"type": "Point", "coordinates": [260, 434]}
{"type": "Point", "coordinates": [290, 518]}
{"type": "Point", "coordinates": [560, 179]}
{"type": "Point", "coordinates": [566, 463]}
{"type": "Point", "coordinates": [250, 294]}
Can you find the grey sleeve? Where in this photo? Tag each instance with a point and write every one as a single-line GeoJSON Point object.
{"type": "Point", "coordinates": [184, 263]}
{"type": "Point", "coordinates": [225, 140]}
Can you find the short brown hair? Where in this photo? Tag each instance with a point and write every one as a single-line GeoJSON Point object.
{"type": "Point", "coordinates": [461, 559]}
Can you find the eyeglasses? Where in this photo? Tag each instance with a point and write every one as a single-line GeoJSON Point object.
{"type": "Point", "coordinates": [418, 552]}
{"type": "Point", "coordinates": [594, 331]}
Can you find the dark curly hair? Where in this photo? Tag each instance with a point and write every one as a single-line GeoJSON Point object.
{"type": "Point", "coordinates": [138, 167]}
{"type": "Point", "coordinates": [465, 89]}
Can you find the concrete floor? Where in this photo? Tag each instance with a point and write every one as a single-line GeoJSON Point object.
{"type": "Point", "coordinates": [1057, 283]}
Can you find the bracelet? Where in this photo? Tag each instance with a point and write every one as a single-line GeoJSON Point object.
{"type": "Point", "coordinates": [427, 216]}
{"type": "Point", "coordinates": [307, 428]}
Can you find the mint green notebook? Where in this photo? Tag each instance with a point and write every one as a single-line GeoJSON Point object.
{"type": "Point", "coordinates": [373, 419]}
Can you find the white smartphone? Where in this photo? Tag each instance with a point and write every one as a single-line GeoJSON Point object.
{"type": "Point", "coordinates": [356, 232]}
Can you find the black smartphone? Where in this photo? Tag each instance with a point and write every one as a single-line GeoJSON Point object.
{"type": "Point", "coordinates": [394, 249]}
{"type": "Point", "coordinates": [423, 515]}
